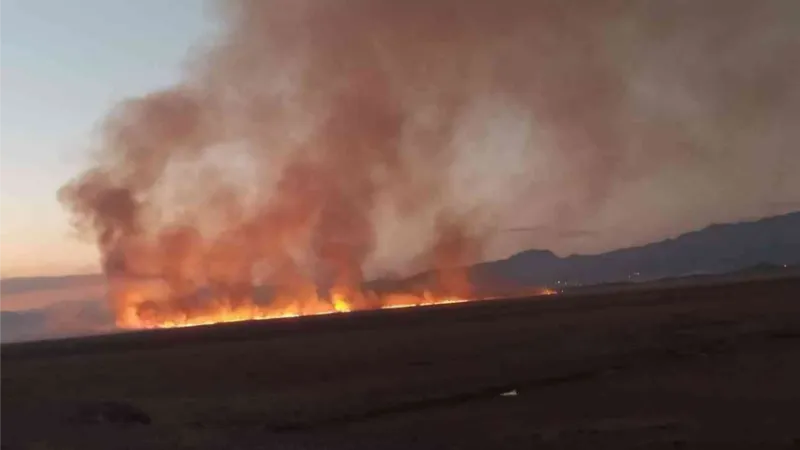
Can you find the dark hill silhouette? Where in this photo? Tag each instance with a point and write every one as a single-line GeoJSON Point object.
{"type": "Point", "coordinates": [717, 249]}
{"type": "Point", "coordinates": [724, 248]}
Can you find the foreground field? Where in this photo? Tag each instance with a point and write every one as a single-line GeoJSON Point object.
{"type": "Point", "coordinates": [683, 367]}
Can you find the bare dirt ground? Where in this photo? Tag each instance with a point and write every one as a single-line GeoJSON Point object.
{"type": "Point", "coordinates": [687, 367]}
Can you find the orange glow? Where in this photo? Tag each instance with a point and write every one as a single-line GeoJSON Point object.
{"type": "Point", "coordinates": [340, 303]}
{"type": "Point", "coordinates": [137, 313]}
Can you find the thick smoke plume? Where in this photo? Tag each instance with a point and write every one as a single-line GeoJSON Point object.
{"type": "Point", "coordinates": [318, 143]}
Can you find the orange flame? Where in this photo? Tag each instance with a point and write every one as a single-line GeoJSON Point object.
{"type": "Point", "coordinates": [137, 313]}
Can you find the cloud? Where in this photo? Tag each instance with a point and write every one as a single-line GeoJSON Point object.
{"type": "Point", "coordinates": [50, 307]}
{"type": "Point", "coordinates": [74, 318]}
{"type": "Point", "coordinates": [38, 292]}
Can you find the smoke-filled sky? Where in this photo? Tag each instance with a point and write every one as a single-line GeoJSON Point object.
{"type": "Point", "coordinates": [64, 66]}
{"type": "Point", "coordinates": [377, 136]}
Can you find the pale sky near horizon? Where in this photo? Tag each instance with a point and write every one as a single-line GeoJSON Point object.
{"type": "Point", "coordinates": [691, 143]}
{"type": "Point", "coordinates": [64, 65]}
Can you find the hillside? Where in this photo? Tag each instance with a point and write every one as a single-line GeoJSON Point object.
{"type": "Point", "coordinates": [773, 241]}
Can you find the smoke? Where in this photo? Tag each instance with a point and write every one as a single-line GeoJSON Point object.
{"type": "Point", "coordinates": [325, 142]}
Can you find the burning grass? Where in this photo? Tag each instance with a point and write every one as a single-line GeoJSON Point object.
{"type": "Point", "coordinates": [149, 314]}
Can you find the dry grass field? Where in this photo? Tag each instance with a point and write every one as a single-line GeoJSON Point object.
{"type": "Point", "coordinates": [683, 367]}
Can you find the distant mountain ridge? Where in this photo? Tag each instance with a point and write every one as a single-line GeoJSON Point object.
{"type": "Point", "coordinates": [15, 285]}
{"type": "Point", "coordinates": [716, 249]}
{"type": "Point", "coordinates": [747, 247]}
{"type": "Point", "coordinates": [713, 250]}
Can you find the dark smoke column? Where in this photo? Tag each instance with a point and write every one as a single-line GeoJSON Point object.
{"type": "Point", "coordinates": [276, 158]}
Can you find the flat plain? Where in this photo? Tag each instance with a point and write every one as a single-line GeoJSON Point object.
{"type": "Point", "coordinates": [711, 365]}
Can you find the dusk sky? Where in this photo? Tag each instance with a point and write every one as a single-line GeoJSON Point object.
{"type": "Point", "coordinates": [703, 129]}
{"type": "Point", "coordinates": [64, 65]}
